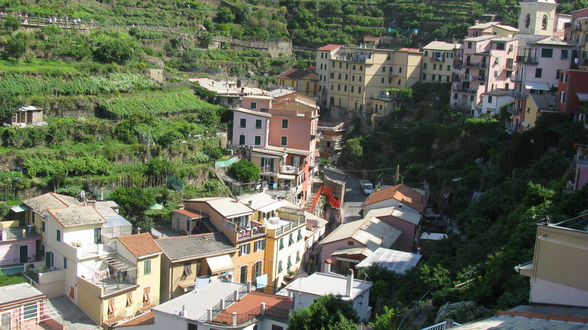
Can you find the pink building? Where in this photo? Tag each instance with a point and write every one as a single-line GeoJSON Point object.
{"type": "Point", "coordinates": [539, 67]}
{"type": "Point", "coordinates": [487, 63]}
{"type": "Point", "coordinates": [18, 245]}
{"type": "Point", "coordinates": [400, 218]}
{"type": "Point", "coordinates": [250, 127]}
{"type": "Point", "coordinates": [24, 307]}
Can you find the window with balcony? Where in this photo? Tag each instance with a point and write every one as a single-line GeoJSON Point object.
{"type": "Point", "coordinates": [243, 123]}
{"type": "Point", "coordinates": [259, 246]}
{"type": "Point", "coordinates": [146, 267]}
{"type": "Point", "coordinates": [284, 141]}
{"type": "Point", "coordinates": [258, 123]}
{"type": "Point", "coordinates": [547, 52]}
{"type": "Point", "coordinates": [243, 275]}
{"type": "Point", "coordinates": [257, 140]}
{"type": "Point", "coordinates": [257, 268]}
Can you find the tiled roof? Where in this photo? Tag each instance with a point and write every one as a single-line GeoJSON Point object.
{"type": "Point", "coordinates": [188, 213]}
{"type": "Point", "coordinates": [397, 212]}
{"type": "Point", "coordinates": [294, 74]}
{"type": "Point", "coordinates": [77, 216]}
{"type": "Point", "coordinates": [40, 204]}
{"type": "Point", "coordinates": [371, 232]}
{"type": "Point", "coordinates": [254, 299]}
{"type": "Point", "coordinates": [195, 246]}
{"type": "Point", "coordinates": [140, 244]}
{"type": "Point", "coordinates": [143, 319]}
{"type": "Point", "coordinates": [330, 47]}
{"type": "Point", "coordinates": [441, 45]}
{"type": "Point", "coordinates": [400, 193]}
{"type": "Point", "coordinates": [225, 206]}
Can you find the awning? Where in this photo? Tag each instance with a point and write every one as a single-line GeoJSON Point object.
{"type": "Point", "coordinates": [286, 176]}
{"type": "Point", "coordinates": [540, 86]}
{"type": "Point", "coordinates": [264, 155]}
{"type": "Point", "coordinates": [270, 207]}
{"type": "Point", "coordinates": [583, 97]}
{"type": "Point", "coordinates": [220, 264]}
{"type": "Point", "coordinates": [20, 208]}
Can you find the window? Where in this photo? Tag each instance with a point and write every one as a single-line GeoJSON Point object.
{"type": "Point", "coordinates": [562, 97]}
{"type": "Point", "coordinates": [332, 75]}
{"type": "Point", "coordinates": [360, 78]}
{"type": "Point", "coordinates": [538, 72]}
{"type": "Point", "coordinates": [30, 311]}
{"type": "Point", "coordinates": [192, 326]}
{"type": "Point", "coordinates": [544, 22]}
{"type": "Point", "coordinates": [243, 123]}
{"type": "Point", "coordinates": [547, 52]}
{"type": "Point", "coordinates": [253, 105]}
{"type": "Point", "coordinates": [425, 65]}
{"type": "Point", "coordinates": [359, 89]}
{"type": "Point", "coordinates": [426, 53]}
{"type": "Point", "coordinates": [352, 78]}
{"type": "Point", "coordinates": [360, 67]}
{"type": "Point", "coordinates": [258, 123]}
{"type": "Point", "coordinates": [187, 268]}
{"type": "Point", "coordinates": [346, 76]}
{"type": "Point", "coordinates": [350, 243]}
{"type": "Point", "coordinates": [527, 20]}
{"type": "Point", "coordinates": [447, 79]}
{"type": "Point", "coordinates": [564, 54]}
{"type": "Point", "coordinates": [340, 65]}
{"type": "Point", "coordinates": [338, 87]}
{"type": "Point", "coordinates": [384, 68]}
{"type": "Point", "coordinates": [241, 139]}
{"type": "Point", "coordinates": [388, 57]}
{"type": "Point", "coordinates": [244, 249]}
{"type": "Point", "coordinates": [290, 239]}
{"type": "Point", "coordinates": [289, 262]}
{"type": "Point", "coordinates": [110, 307]}
{"type": "Point", "coordinates": [390, 80]}
{"type": "Point", "coordinates": [297, 256]}
{"type": "Point", "coordinates": [424, 76]}
{"type": "Point", "coordinates": [259, 245]}
{"type": "Point", "coordinates": [557, 74]}
{"type": "Point", "coordinates": [332, 87]}
{"type": "Point", "coordinates": [345, 88]}
{"type": "Point", "coordinates": [257, 140]}
{"type": "Point", "coordinates": [346, 65]}
{"type": "Point", "coordinates": [500, 46]}
{"type": "Point", "coordinates": [564, 78]}
{"type": "Point", "coordinates": [469, 44]}
{"type": "Point", "coordinates": [146, 296]}
{"type": "Point", "coordinates": [243, 276]}
{"type": "Point", "coordinates": [97, 235]}
{"type": "Point", "coordinates": [43, 226]}
{"type": "Point", "coordinates": [382, 80]}
{"type": "Point", "coordinates": [495, 74]}
{"type": "Point", "coordinates": [277, 327]}
{"type": "Point", "coordinates": [284, 140]}
{"type": "Point", "coordinates": [352, 89]}
{"type": "Point", "coordinates": [353, 67]}
{"type": "Point", "coordinates": [433, 77]}
{"type": "Point", "coordinates": [257, 269]}
{"type": "Point", "coordinates": [299, 235]}
{"type": "Point", "coordinates": [129, 299]}
{"type": "Point", "coordinates": [58, 235]}
{"type": "Point", "coordinates": [64, 263]}
{"type": "Point", "coordinates": [434, 66]}
{"type": "Point", "coordinates": [280, 268]}
{"type": "Point", "coordinates": [339, 76]}
{"type": "Point", "coordinates": [281, 243]}
{"type": "Point", "coordinates": [449, 68]}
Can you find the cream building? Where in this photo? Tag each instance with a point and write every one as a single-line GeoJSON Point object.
{"type": "Point", "coordinates": [438, 62]}
{"type": "Point", "coordinates": [351, 77]}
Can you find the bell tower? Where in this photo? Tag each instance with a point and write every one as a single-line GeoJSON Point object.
{"type": "Point", "coordinates": [537, 17]}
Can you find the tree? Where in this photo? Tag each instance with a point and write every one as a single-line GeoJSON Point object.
{"type": "Point", "coordinates": [16, 46]}
{"type": "Point", "coordinates": [225, 15]}
{"type": "Point", "coordinates": [9, 104]}
{"type": "Point", "coordinates": [244, 171]}
{"type": "Point", "coordinates": [326, 312]}
{"type": "Point", "coordinates": [352, 151]}
{"type": "Point", "coordinates": [133, 201]}
{"type": "Point", "coordinates": [10, 24]}
{"type": "Point", "coordinates": [114, 50]}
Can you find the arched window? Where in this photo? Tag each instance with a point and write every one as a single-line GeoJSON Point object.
{"type": "Point", "coordinates": [528, 20]}
{"type": "Point", "coordinates": [544, 22]}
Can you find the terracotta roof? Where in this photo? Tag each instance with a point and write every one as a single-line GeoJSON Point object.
{"type": "Point", "coordinates": [294, 74]}
{"type": "Point", "coordinates": [40, 204]}
{"type": "Point", "coordinates": [189, 213]}
{"type": "Point", "coordinates": [249, 304]}
{"type": "Point", "coordinates": [330, 47]}
{"type": "Point", "coordinates": [140, 244]}
{"type": "Point", "coordinates": [401, 193]}
{"type": "Point", "coordinates": [143, 319]}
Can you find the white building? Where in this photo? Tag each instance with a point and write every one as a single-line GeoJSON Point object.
{"type": "Point", "coordinates": [494, 101]}
{"type": "Point", "coordinates": [217, 305]}
{"type": "Point", "coordinates": [306, 290]}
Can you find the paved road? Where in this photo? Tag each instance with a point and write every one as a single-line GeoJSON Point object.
{"type": "Point", "coordinates": [354, 197]}
{"type": "Point", "coordinates": [73, 317]}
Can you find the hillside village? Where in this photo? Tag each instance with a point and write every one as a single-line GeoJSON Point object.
{"type": "Point", "coordinates": [429, 186]}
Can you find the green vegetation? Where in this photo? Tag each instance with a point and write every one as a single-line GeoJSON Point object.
{"type": "Point", "coordinates": [11, 279]}
{"type": "Point", "coordinates": [245, 171]}
{"type": "Point", "coordinates": [326, 312]}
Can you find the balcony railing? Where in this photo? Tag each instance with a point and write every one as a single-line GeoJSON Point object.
{"type": "Point", "coordinates": [289, 169]}
{"type": "Point", "coordinates": [18, 233]}
{"type": "Point", "coordinates": [44, 275]}
{"type": "Point", "coordinates": [474, 64]}
{"type": "Point", "coordinates": [93, 250]}
{"type": "Point", "coordinates": [527, 59]}
{"type": "Point", "coordinates": [437, 59]}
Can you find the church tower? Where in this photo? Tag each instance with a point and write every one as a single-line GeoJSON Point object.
{"type": "Point", "coordinates": [537, 17]}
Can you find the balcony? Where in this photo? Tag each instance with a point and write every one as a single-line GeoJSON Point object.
{"type": "Point", "coordinates": [289, 169]}
{"type": "Point", "coordinates": [465, 89]}
{"type": "Point", "coordinates": [437, 59]}
{"type": "Point", "coordinates": [44, 275]}
{"type": "Point", "coordinates": [527, 59]}
{"type": "Point", "coordinates": [92, 250]}
{"type": "Point", "coordinates": [251, 230]}
{"type": "Point", "coordinates": [474, 65]}
{"type": "Point", "coordinates": [18, 233]}
{"type": "Point", "coordinates": [287, 220]}
{"type": "Point", "coordinates": [267, 170]}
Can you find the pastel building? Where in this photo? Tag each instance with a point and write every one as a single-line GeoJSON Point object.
{"type": "Point", "coordinates": [538, 19]}
{"type": "Point", "coordinates": [300, 80]}
{"type": "Point", "coordinates": [487, 63]}
{"type": "Point", "coordinates": [438, 61]}
{"type": "Point", "coordinates": [19, 244]}
{"type": "Point", "coordinates": [572, 92]}
{"type": "Point", "coordinates": [577, 34]}
{"type": "Point", "coordinates": [539, 66]}
{"type": "Point", "coordinates": [250, 128]}
{"type": "Point", "coordinates": [24, 307]}
{"type": "Point", "coordinates": [494, 102]}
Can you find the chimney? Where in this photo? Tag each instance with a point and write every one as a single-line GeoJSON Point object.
{"type": "Point", "coordinates": [328, 263]}
{"type": "Point", "coordinates": [476, 22]}
{"type": "Point", "coordinates": [250, 203]}
{"type": "Point", "coordinates": [349, 283]}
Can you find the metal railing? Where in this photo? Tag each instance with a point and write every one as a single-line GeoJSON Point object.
{"type": "Point", "coordinates": [527, 59]}
{"type": "Point", "coordinates": [18, 233]}
{"type": "Point", "coordinates": [442, 325]}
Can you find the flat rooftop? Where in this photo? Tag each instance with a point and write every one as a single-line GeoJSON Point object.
{"type": "Point", "coordinates": [18, 292]}
{"type": "Point", "coordinates": [322, 284]}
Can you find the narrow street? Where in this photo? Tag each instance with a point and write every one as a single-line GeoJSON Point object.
{"type": "Point", "coordinates": [353, 199]}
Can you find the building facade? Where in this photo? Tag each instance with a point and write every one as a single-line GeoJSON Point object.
{"type": "Point", "coordinates": [438, 62]}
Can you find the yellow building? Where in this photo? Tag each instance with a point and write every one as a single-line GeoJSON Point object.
{"type": "Point", "coordinates": [134, 290]}
{"type": "Point", "coordinates": [438, 62]}
{"type": "Point", "coordinates": [355, 75]}
{"type": "Point", "coordinates": [187, 258]}
{"type": "Point", "coordinates": [303, 81]}
{"type": "Point", "coordinates": [536, 105]}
